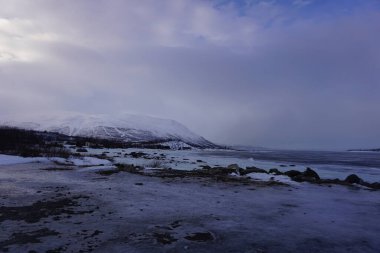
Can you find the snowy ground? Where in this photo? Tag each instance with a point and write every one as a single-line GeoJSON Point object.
{"type": "Point", "coordinates": [71, 208]}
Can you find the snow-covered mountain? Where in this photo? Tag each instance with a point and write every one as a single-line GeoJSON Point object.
{"type": "Point", "coordinates": [126, 127]}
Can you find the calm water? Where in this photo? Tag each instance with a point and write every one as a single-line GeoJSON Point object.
{"type": "Point", "coordinates": [327, 164]}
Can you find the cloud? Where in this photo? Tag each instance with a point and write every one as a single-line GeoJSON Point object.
{"type": "Point", "coordinates": [271, 80]}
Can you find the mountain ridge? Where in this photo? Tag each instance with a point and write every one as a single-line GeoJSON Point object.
{"type": "Point", "coordinates": [124, 127]}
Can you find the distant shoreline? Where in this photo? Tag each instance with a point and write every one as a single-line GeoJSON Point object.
{"type": "Point", "coordinates": [364, 150]}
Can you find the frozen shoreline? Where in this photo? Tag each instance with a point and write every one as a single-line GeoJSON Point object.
{"type": "Point", "coordinates": [126, 212]}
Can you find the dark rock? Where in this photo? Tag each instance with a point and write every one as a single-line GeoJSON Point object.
{"type": "Point", "coordinates": [42, 209]}
{"type": "Point", "coordinates": [25, 238]}
{"type": "Point", "coordinates": [275, 172]}
{"type": "Point", "coordinates": [375, 186]}
{"type": "Point", "coordinates": [332, 181]}
{"type": "Point", "coordinates": [298, 178]}
{"type": "Point", "coordinates": [252, 170]}
{"type": "Point", "coordinates": [353, 179]}
{"type": "Point", "coordinates": [164, 238]}
{"type": "Point", "coordinates": [222, 170]}
{"type": "Point", "coordinates": [200, 237]}
{"type": "Point", "coordinates": [311, 174]}
{"type": "Point", "coordinates": [137, 154]}
{"type": "Point", "coordinates": [205, 167]}
{"type": "Point", "coordinates": [235, 168]}
{"type": "Point", "coordinates": [81, 150]}
{"type": "Point", "coordinates": [308, 175]}
{"type": "Point", "coordinates": [293, 173]}
{"type": "Point", "coordinates": [107, 172]}
{"type": "Point", "coordinates": [176, 224]}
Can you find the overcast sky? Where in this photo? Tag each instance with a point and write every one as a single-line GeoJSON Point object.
{"type": "Point", "coordinates": [283, 74]}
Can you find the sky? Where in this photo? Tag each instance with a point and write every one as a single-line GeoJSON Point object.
{"type": "Point", "coordinates": [292, 74]}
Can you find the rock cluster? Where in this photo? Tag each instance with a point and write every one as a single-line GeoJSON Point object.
{"type": "Point", "coordinates": [309, 175]}
{"type": "Point", "coordinates": [224, 174]}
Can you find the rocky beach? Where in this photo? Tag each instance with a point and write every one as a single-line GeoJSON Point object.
{"type": "Point", "coordinates": [53, 205]}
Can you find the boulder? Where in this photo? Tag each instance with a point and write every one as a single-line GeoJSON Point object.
{"type": "Point", "coordinates": [308, 175]}
{"type": "Point", "coordinates": [235, 168]}
{"type": "Point", "coordinates": [353, 179]}
{"type": "Point", "coordinates": [275, 172]}
{"type": "Point", "coordinates": [375, 186]}
{"type": "Point", "coordinates": [205, 167]}
{"type": "Point", "coordinates": [220, 170]}
{"type": "Point", "coordinates": [252, 169]}
{"type": "Point", "coordinates": [311, 174]}
{"type": "Point", "coordinates": [137, 154]}
{"type": "Point", "coordinates": [293, 173]}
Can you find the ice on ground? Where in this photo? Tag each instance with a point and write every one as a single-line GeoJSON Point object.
{"type": "Point", "coordinates": [83, 161]}
{"type": "Point", "coordinates": [135, 213]}
{"type": "Point", "coordinates": [88, 161]}
{"type": "Point", "coordinates": [11, 159]}
{"type": "Point", "coordinates": [151, 168]}
{"type": "Point", "coordinates": [97, 168]}
{"type": "Point", "coordinates": [196, 159]}
{"type": "Point", "coordinates": [80, 161]}
{"type": "Point", "coordinates": [60, 160]}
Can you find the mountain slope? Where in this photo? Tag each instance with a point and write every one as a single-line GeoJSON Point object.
{"type": "Point", "coordinates": [126, 127]}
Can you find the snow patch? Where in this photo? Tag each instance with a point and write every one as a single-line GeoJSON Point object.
{"type": "Point", "coordinates": [84, 161]}
{"type": "Point", "coordinates": [10, 159]}
{"type": "Point", "coordinates": [88, 161]}
{"type": "Point", "coordinates": [270, 177]}
{"type": "Point", "coordinates": [97, 168]}
{"type": "Point", "coordinates": [176, 145]}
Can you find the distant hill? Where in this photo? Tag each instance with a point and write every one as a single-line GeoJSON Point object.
{"type": "Point", "coordinates": [126, 127]}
